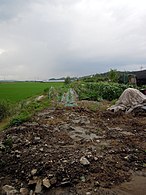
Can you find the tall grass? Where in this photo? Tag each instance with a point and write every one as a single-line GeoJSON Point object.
{"type": "Point", "coordinates": [5, 109]}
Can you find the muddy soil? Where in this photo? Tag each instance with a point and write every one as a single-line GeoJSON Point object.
{"type": "Point", "coordinates": [68, 151]}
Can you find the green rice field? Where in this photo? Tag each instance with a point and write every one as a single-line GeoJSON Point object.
{"type": "Point", "coordinates": [17, 91]}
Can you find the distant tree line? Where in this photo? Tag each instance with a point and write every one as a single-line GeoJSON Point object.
{"type": "Point", "coordinates": [112, 76]}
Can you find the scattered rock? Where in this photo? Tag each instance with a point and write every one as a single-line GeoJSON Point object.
{"type": "Point", "coordinates": [83, 178]}
{"type": "Point", "coordinates": [53, 180]}
{"type": "Point", "coordinates": [97, 184]}
{"type": "Point", "coordinates": [63, 150]}
{"type": "Point", "coordinates": [31, 192]}
{"type": "Point", "coordinates": [84, 161]}
{"type": "Point", "coordinates": [2, 146]}
{"type": "Point", "coordinates": [88, 193]}
{"type": "Point", "coordinates": [84, 120]}
{"type": "Point", "coordinates": [39, 98]}
{"type": "Point", "coordinates": [32, 182]}
{"type": "Point", "coordinates": [33, 171]}
{"type": "Point", "coordinates": [38, 187]}
{"type": "Point", "coordinates": [95, 158]}
{"type": "Point", "coordinates": [24, 191]}
{"type": "Point", "coordinates": [46, 183]}
{"type": "Point", "coordinates": [41, 149]}
{"type": "Point", "coordinates": [36, 139]}
{"type": "Point", "coordinates": [9, 190]}
{"type": "Point", "coordinates": [65, 183]}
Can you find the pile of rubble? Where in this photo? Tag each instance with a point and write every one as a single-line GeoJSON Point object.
{"type": "Point", "coordinates": [71, 151]}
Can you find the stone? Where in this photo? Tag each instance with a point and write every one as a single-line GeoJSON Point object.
{"type": "Point", "coordinates": [46, 183]}
{"type": "Point", "coordinates": [31, 192]}
{"type": "Point", "coordinates": [2, 146]}
{"type": "Point", "coordinates": [84, 161]}
{"type": "Point", "coordinates": [83, 178]}
{"type": "Point", "coordinates": [88, 193]}
{"type": "Point", "coordinates": [65, 161]}
{"type": "Point", "coordinates": [96, 183]}
{"type": "Point", "coordinates": [17, 151]}
{"type": "Point", "coordinates": [37, 139]}
{"type": "Point", "coordinates": [24, 191]}
{"type": "Point", "coordinates": [53, 180]}
{"type": "Point", "coordinates": [65, 183]}
{"type": "Point", "coordinates": [95, 158]}
{"type": "Point", "coordinates": [38, 187]}
{"type": "Point", "coordinates": [41, 149]}
{"type": "Point", "coordinates": [9, 190]}
{"type": "Point", "coordinates": [84, 120]}
{"type": "Point", "coordinates": [31, 182]}
{"type": "Point", "coordinates": [33, 171]}
{"type": "Point", "coordinates": [39, 98]}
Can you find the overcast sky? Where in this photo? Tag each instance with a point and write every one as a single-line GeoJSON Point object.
{"type": "Point", "coordinates": [41, 39]}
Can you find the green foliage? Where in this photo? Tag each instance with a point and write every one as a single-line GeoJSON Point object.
{"type": "Point", "coordinates": [46, 90]}
{"type": "Point", "coordinates": [113, 75]}
{"type": "Point", "coordinates": [95, 78]}
{"type": "Point", "coordinates": [19, 119]}
{"type": "Point", "coordinates": [20, 99]}
{"type": "Point", "coordinates": [98, 91]}
{"type": "Point", "coordinates": [123, 78]}
{"type": "Point", "coordinates": [4, 109]}
{"type": "Point", "coordinates": [67, 80]}
{"type": "Point", "coordinates": [27, 109]}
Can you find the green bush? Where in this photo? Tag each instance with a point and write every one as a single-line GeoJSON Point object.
{"type": "Point", "coordinates": [19, 119]}
{"type": "Point", "coordinates": [98, 90]}
{"type": "Point", "coordinates": [4, 109]}
{"type": "Point", "coordinates": [46, 90]}
{"type": "Point", "coordinates": [113, 75]}
{"type": "Point", "coordinates": [67, 80]}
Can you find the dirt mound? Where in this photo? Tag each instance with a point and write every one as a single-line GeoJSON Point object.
{"type": "Point", "coordinates": [72, 151]}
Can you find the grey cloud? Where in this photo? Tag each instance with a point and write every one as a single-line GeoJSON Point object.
{"type": "Point", "coordinates": [47, 38]}
{"type": "Point", "coordinates": [10, 9]}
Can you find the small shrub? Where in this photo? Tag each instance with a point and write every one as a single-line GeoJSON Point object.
{"type": "Point", "coordinates": [113, 75]}
{"type": "Point", "coordinates": [46, 90]}
{"type": "Point", "coordinates": [98, 90]}
{"type": "Point", "coordinates": [67, 80]}
{"type": "Point", "coordinates": [21, 118]}
{"type": "Point", "coordinates": [4, 109]}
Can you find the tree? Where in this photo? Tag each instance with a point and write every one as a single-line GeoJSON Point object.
{"type": "Point", "coordinates": [113, 75]}
{"type": "Point", "coordinates": [67, 80]}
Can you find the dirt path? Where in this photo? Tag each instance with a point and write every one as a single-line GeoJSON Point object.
{"type": "Point", "coordinates": [75, 151]}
